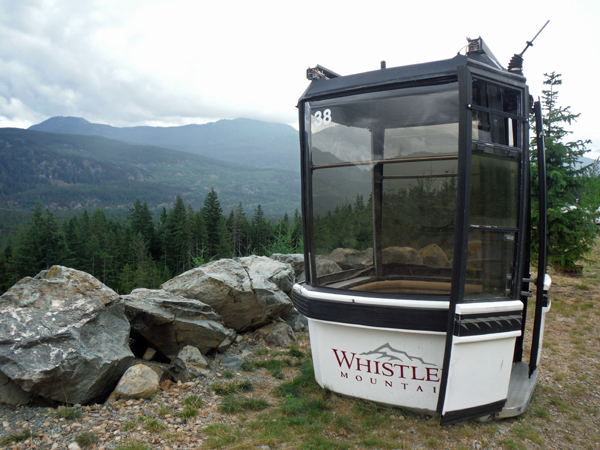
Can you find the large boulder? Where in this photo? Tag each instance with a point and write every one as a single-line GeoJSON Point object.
{"type": "Point", "coordinates": [296, 260]}
{"type": "Point", "coordinates": [326, 267]}
{"type": "Point", "coordinates": [168, 322]}
{"type": "Point", "coordinates": [348, 258]}
{"type": "Point", "coordinates": [247, 292]}
{"type": "Point", "coordinates": [401, 255]}
{"type": "Point", "coordinates": [277, 272]}
{"type": "Point", "coordinates": [64, 336]}
{"type": "Point", "coordinates": [189, 364]}
{"type": "Point", "coordinates": [434, 256]}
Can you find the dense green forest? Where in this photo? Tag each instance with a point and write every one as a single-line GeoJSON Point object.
{"type": "Point", "coordinates": [142, 252]}
{"type": "Point", "coordinates": [73, 172]}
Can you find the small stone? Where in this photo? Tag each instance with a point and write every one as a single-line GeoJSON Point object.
{"type": "Point", "coordinates": [149, 354]}
{"type": "Point", "coordinates": [74, 446]}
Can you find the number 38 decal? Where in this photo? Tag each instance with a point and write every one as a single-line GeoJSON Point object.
{"type": "Point", "coordinates": [322, 118]}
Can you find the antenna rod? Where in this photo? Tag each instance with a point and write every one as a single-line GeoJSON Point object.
{"type": "Point", "coordinates": [530, 43]}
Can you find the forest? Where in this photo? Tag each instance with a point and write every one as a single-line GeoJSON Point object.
{"type": "Point", "coordinates": [142, 252]}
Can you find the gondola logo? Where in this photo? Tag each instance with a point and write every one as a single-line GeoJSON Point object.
{"type": "Point", "coordinates": [389, 366]}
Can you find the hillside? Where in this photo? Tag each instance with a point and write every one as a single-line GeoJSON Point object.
{"type": "Point", "coordinates": [241, 141]}
{"type": "Point", "coordinates": [65, 172]}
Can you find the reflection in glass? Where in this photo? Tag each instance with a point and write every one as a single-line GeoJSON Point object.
{"type": "Point", "coordinates": [489, 263]}
{"type": "Point", "coordinates": [494, 191]}
{"type": "Point", "coordinates": [384, 170]}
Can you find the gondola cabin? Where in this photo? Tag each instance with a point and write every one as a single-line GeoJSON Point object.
{"type": "Point", "coordinates": [416, 214]}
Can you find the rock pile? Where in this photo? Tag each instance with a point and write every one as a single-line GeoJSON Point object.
{"type": "Point", "coordinates": [68, 338]}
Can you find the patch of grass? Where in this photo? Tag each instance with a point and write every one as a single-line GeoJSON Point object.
{"type": "Point", "coordinates": [234, 404]}
{"type": "Point", "coordinates": [560, 404]}
{"type": "Point", "coordinates": [133, 445]}
{"type": "Point", "coordinates": [375, 441]}
{"type": "Point", "coordinates": [162, 411]}
{"type": "Point", "coordinates": [432, 442]}
{"type": "Point", "coordinates": [188, 412]}
{"type": "Point", "coordinates": [228, 374]}
{"type": "Point", "coordinates": [67, 413]}
{"type": "Point", "coordinates": [512, 445]}
{"type": "Point", "coordinates": [273, 366]}
{"type": "Point", "coordinates": [561, 376]}
{"type": "Point", "coordinates": [527, 432]}
{"type": "Point", "coordinates": [541, 413]}
{"type": "Point", "coordinates": [13, 438]}
{"type": "Point", "coordinates": [86, 439]}
{"type": "Point", "coordinates": [232, 388]}
{"type": "Point", "coordinates": [194, 401]}
{"type": "Point", "coordinates": [127, 426]}
{"type": "Point", "coordinates": [295, 352]}
{"type": "Point", "coordinates": [220, 435]}
{"type": "Point", "coordinates": [154, 426]}
{"type": "Point", "coordinates": [303, 383]}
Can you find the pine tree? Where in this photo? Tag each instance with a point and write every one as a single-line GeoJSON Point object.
{"type": "Point", "coordinates": [211, 213]}
{"type": "Point", "coordinates": [177, 239]}
{"type": "Point", "coordinates": [571, 231]}
{"type": "Point", "coordinates": [260, 232]}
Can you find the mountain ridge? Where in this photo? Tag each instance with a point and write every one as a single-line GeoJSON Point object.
{"type": "Point", "coordinates": [242, 141]}
{"type": "Point", "coordinates": [70, 171]}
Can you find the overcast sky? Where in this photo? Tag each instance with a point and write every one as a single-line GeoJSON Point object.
{"type": "Point", "coordinates": [175, 62]}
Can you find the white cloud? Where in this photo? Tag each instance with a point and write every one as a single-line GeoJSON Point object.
{"type": "Point", "coordinates": [179, 62]}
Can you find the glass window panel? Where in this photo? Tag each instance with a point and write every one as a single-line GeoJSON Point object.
{"type": "Point", "coordinates": [420, 213]}
{"type": "Point", "coordinates": [418, 121]}
{"type": "Point", "coordinates": [364, 150]}
{"type": "Point", "coordinates": [494, 191]}
{"type": "Point", "coordinates": [489, 127]}
{"type": "Point", "coordinates": [490, 258]}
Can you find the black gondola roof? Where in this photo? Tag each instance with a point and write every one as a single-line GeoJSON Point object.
{"type": "Point", "coordinates": [365, 81]}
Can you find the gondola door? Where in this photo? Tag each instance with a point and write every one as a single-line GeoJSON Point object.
{"type": "Point", "coordinates": [485, 312]}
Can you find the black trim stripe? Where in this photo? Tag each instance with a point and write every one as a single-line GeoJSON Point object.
{"type": "Point", "coordinates": [487, 323]}
{"type": "Point", "coordinates": [379, 316]}
{"type": "Point", "coordinates": [472, 413]}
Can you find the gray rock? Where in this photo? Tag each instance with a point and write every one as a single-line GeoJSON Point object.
{"type": "Point", "coordinates": [279, 334]}
{"type": "Point", "coordinates": [296, 260]}
{"type": "Point", "coordinates": [348, 258]}
{"type": "Point", "coordinates": [401, 255]}
{"type": "Point", "coordinates": [12, 394]}
{"type": "Point", "coordinates": [241, 290]}
{"type": "Point", "coordinates": [64, 336]}
{"type": "Point", "coordinates": [139, 381]}
{"type": "Point", "coordinates": [190, 364]}
{"type": "Point", "coordinates": [326, 267]}
{"type": "Point", "coordinates": [168, 322]}
{"type": "Point", "coordinates": [295, 320]}
{"type": "Point", "coordinates": [279, 273]}
{"type": "Point", "coordinates": [233, 362]}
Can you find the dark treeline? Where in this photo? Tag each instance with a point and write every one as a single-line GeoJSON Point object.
{"type": "Point", "coordinates": [140, 252]}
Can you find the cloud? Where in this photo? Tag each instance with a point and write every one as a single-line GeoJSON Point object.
{"type": "Point", "coordinates": [177, 62]}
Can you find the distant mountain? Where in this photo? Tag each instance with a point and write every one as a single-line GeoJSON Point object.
{"type": "Point", "coordinates": [241, 141]}
{"type": "Point", "coordinates": [67, 171]}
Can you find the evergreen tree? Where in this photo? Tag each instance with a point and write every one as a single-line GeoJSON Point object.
{"type": "Point", "coordinates": [141, 220]}
{"type": "Point", "coordinates": [260, 232]}
{"type": "Point", "coordinates": [211, 213]}
{"type": "Point", "coordinates": [177, 239]}
{"type": "Point", "coordinates": [239, 229]}
{"type": "Point", "coordinates": [571, 209]}
{"type": "Point", "coordinates": [54, 245]}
